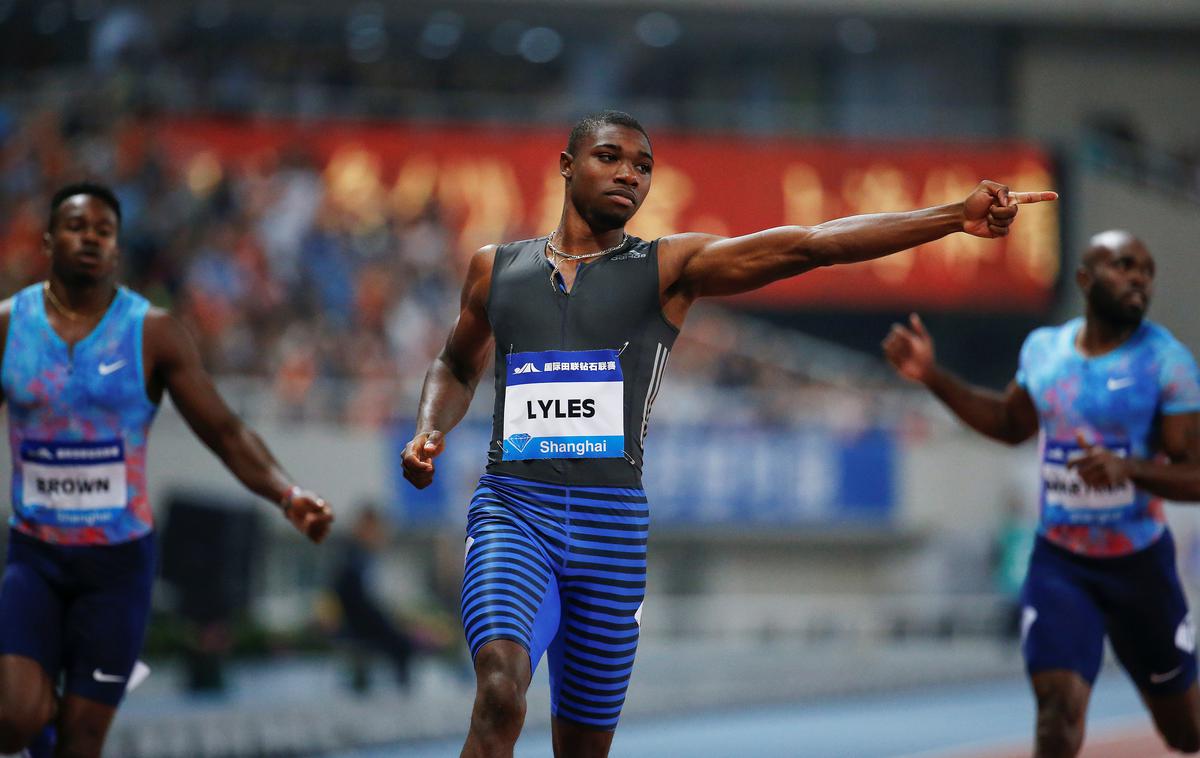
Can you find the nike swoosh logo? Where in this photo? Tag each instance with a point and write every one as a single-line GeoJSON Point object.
{"type": "Point", "coordinates": [104, 678]}
{"type": "Point", "coordinates": [1119, 384]}
{"type": "Point", "coordinates": [1160, 678]}
{"type": "Point", "coordinates": [108, 368]}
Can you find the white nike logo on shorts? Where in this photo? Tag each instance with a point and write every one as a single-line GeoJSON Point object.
{"type": "Point", "coordinates": [1029, 615]}
{"type": "Point", "coordinates": [1160, 678]}
{"type": "Point", "coordinates": [108, 368]}
{"type": "Point", "coordinates": [1119, 384]}
{"type": "Point", "coordinates": [104, 678]}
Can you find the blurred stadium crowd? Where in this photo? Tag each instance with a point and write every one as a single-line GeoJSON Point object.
{"type": "Point", "coordinates": [276, 282]}
{"type": "Point", "coordinates": [281, 284]}
{"type": "Point", "coordinates": [341, 317]}
{"type": "Point", "coordinates": [273, 281]}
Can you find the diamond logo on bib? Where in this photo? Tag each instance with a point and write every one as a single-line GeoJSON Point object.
{"type": "Point", "coordinates": [518, 442]}
{"type": "Point", "coordinates": [564, 404]}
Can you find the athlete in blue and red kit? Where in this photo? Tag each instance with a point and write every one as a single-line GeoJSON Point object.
{"type": "Point", "coordinates": [1115, 401]}
{"type": "Point", "coordinates": [85, 364]}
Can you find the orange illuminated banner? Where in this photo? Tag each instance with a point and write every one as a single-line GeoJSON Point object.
{"type": "Point", "coordinates": [499, 183]}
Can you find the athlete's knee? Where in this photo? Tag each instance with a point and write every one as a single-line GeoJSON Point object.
{"type": "Point", "coordinates": [1060, 724]}
{"type": "Point", "coordinates": [82, 739]}
{"type": "Point", "coordinates": [578, 741]}
{"type": "Point", "coordinates": [17, 730]}
{"type": "Point", "coordinates": [501, 699]}
{"type": "Point", "coordinates": [501, 680]}
{"type": "Point", "coordinates": [1183, 738]}
{"type": "Point", "coordinates": [1184, 743]}
{"type": "Point", "coordinates": [21, 720]}
{"type": "Point", "coordinates": [1057, 739]}
{"type": "Point", "coordinates": [14, 735]}
{"type": "Point", "coordinates": [83, 748]}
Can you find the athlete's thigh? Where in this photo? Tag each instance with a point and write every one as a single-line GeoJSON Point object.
{"type": "Point", "coordinates": [83, 725]}
{"type": "Point", "coordinates": [31, 617]}
{"type": "Point", "coordinates": [592, 658]}
{"type": "Point", "coordinates": [105, 624]}
{"type": "Point", "coordinates": [1148, 622]}
{"type": "Point", "coordinates": [1062, 626]}
{"type": "Point", "coordinates": [509, 589]}
{"type": "Point", "coordinates": [604, 584]}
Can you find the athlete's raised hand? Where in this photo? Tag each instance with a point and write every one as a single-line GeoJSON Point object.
{"type": "Point", "coordinates": [308, 512]}
{"type": "Point", "coordinates": [1099, 466]}
{"type": "Point", "coordinates": [910, 350]}
{"type": "Point", "coordinates": [991, 208]}
{"type": "Point", "coordinates": [418, 456]}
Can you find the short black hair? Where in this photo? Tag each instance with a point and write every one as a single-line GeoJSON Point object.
{"type": "Point", "coordinates": [593, 121]}
{"type": "Point", "coordinates": [98, 191]}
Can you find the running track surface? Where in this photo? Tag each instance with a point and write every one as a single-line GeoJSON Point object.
{"type": "Point", "coordinates": [993, 720]}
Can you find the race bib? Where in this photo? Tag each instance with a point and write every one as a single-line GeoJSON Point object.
{"type": "Point", "coordinates": [564, 404]}
{"type": "Point", "coordinates": [73, 483]}
{"type": "Point", "coordinates": [1067, 500]}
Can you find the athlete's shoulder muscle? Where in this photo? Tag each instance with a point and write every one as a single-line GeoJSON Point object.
{"type": "Point", "coordinates": [157, 332]}
{"type": "Point", "coordinates": [674, 253]}
{"type": "Point", "coordinates": [167, 345]}
{"type": "Point", "coordinates": [482, 260]}
{"type": "Point", "coordinates": [478, 286]}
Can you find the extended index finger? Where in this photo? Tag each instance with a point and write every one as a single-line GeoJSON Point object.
{"type": "Point", "coordinates": [918, 325]}
{"type": "Point", "coordinates": [1031, 197]}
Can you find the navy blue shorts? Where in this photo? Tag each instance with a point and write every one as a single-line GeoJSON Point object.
{"type": "Point", "coordinates": [79, 611]}
{"type": "Point", "coordinates": [1070, 602]}
{"type": "Point", "coordinates": [562, 571]}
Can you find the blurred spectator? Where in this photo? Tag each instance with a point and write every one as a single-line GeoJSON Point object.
{"type": "Point", "coordinates": [1013, 545]}
{"type": "Point", "coordinates": [368, 626]}
{"type": "Point", "coordinates": [1117, 141]}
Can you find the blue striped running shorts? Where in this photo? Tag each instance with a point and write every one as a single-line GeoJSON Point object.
{"type": "Point", "coordinates": [560, 570]}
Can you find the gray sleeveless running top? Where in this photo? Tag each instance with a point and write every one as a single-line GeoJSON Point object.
{"type": "Point", "coordinates": [577, 372]}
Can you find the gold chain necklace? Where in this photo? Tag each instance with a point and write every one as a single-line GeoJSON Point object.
{"type": "Point", "coordinates": [64, 310]}
{"type": "Point", "coordinates": [559, 255]}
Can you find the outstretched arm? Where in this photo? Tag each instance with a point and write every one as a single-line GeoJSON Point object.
{"type": "Point", "coordinates": [1006, 417]}
{"type": "Point", "coordinates": [177, 368]}
{"type": "Point", "coordinates": [1177, 478]}
{"type": "Point", "coordinates": [699, 265]}
{"type": "Point", "coordinates": [452, 377]}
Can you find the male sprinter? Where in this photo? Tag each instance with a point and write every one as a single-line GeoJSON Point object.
{"type": "Point", "coordinates": [85, 363]}
{"type": "Point", "coordinates": [582, 321]}
{"type": "Point", "coordinates": [1115, 401]}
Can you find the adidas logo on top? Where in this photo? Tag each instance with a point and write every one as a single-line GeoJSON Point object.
{"type": "Point", "coordinates": [528, 368]}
